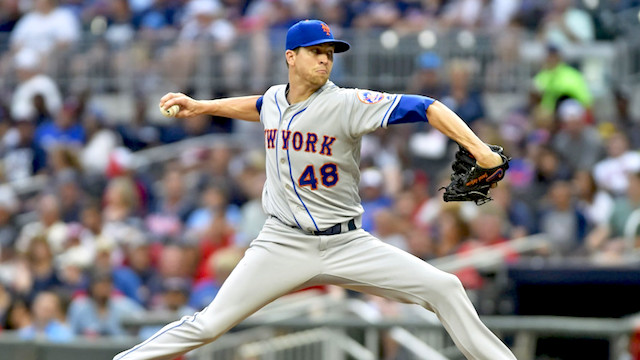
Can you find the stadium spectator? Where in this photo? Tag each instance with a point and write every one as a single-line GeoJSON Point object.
{"type": "Point", "coordinates": [101, 141]}
{"type": "Point", "coordinates": [175, 294]}
{"type": "Point", "coordinates": [121, 202]}
{"type": "Point", "coordinates": [214, 205]}
{"type": "Point", "coordinates": [375, 14]}
{"type": "Point", "coordinates": [487, 228]}
{"type": "Point", "coordinates": [624, 119]}
{"type": "Point", "coordinates": [68, 186]}
{"type": "Point", "coordinates": [388, 230]}
{"type": "Point", "coordinates": [63, 160]}
{"type": "Point", "coordinates": [134, 278]}
{"type": "Point", "coordinates": [383, 150]}
{"type": "Point", "coordinates": [252, 215]}
{"type": "Point", "coordinates": [518, 213]}
{"type": "Point", "coordinates": [138, 133]}
{"type": "Point", "coordinates": [373, 196]}
{"type": "Point", "coordinates": [426, 80]}
{"type": "Point", "coordinates": [419, 197]}
{"type": "Point", "coordinates": [555, 82]}
{"type": "Point", "coordinates": [450, 230]}
{"type": "Point", "coordinates": [21, 154]}
{"type": "Point", "coordinates": [156, 19]}
{"type": "Point", "coordinates": [595, 203]}
{"type": "Point", "coordinates": [72, 273]}
{"type": "Point", "coordinates": [122, 224]}
{"type": "Point", "coordinates": [578, 143]}
{"type": "Point", "coordinates": [461, 98]}
{"type": "Point", "coordinates": [220, 265]}
{"type": "Point", "coordinates": [611, 172]}
{"type": "Point", "coordinates": [101, 311]}
{"type": "Point", "coordinates": [41, 272]}
{"type": "Point", "coordinates": [404, 207]}
{"type": "Point", "coordinates": [48, 320]}
{"type": "Point", "coordinates": [18, 315]}
{"type": "Point", "coordinates": [48, 29]}
{"type": "Point", "coordinates": [549, 168]}
{"type": "Point", "coordinates": [206, 33]}
{"type": "Point", "coordinates": [615, 229]}
{"type": "Point", "coordinates": [91, 228]}
{"type": "Point", "coordinates": [462, 13]}
{"type": "Point", "coordinates": [565, 24]}
{"type": "Point", "coordinates": [217, 235]}
{"type": "Point", "coordinates": [172, 302]}
{"type": "Point", "coordinates": [31, 83]}
{"type": "Point", "coordinates": [63, 130]}
{"type": "Point", "coordinates": [48, 227]}
{"type": "Point", "coordinates": [220, 168]}
{"type": "Point", "coordinates": [562, 221]}
{"type": "Point", "coordinates": [421, 244]}
{"type": "Point", "coordinates": [174, 261]}
{"type": "Point", "coordinates": [501, 14]}
{"type": "Point", "coordinates": [174, 204]}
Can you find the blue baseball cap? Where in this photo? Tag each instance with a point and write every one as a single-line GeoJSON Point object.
{"type": "Point", "coordinates": [313, 32]}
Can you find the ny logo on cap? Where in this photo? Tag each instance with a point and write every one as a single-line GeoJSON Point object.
{"type": "Point", "coordinates": [326, 29]}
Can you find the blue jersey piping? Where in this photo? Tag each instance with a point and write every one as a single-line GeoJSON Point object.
{"type": "Point", "coordinates": [275, 98]}
{"type": "Point", "coordinates": [291, 174]}
{"type": "Point", "coordinates": [386, 112]}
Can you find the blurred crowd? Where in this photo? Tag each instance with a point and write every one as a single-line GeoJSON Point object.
{"type": "Point", "coordinates": [106, 239]}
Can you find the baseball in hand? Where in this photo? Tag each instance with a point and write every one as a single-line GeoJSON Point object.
{"type": "Point", "coordinates": [171, 111]}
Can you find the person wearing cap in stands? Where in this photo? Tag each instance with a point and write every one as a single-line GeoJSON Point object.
{"type": "Point", "coordinates": [578, 142]}
{"type": "Point", "coordinates": [313, 236]}
{"type": "Point", "coordinates": [427, 78]}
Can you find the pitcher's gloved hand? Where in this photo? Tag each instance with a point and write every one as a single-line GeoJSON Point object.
{"type": "Point", "coordinates": [470, 182]}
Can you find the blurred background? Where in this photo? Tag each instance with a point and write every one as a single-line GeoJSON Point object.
{"type": "Point", "coordinates": [115, 220]}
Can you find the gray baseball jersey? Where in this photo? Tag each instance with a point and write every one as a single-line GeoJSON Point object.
{"type": "Point", "coordinates": [313, 152]}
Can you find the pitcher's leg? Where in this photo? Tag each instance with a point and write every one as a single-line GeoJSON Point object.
{"type": "Point", "coordinates": [266, 272]}
{"type": "Point", "coordinates": [369, 265]}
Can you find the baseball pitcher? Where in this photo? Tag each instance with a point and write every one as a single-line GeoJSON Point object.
{"type": "Point", "coordinates": [312, 132]}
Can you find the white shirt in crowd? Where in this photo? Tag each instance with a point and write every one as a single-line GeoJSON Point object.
{"type": "Point", "coordinates": [42, 32]}
{"type": "Point", "coordinates": [611, 173]}
{"type": "Point", "coordinates": [22, 104]}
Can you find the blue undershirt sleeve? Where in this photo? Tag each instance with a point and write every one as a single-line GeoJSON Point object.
{"type": "Point", "coordinates": [410, 109]}
{"type": "Point", "coordinates": [259, 104]}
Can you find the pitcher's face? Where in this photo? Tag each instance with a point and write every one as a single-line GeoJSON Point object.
{"type": "Point", "coordinates": [313, 63]}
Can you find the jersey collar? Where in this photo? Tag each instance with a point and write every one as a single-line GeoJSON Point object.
{"type": "Point", "coordinates": [304, 103]}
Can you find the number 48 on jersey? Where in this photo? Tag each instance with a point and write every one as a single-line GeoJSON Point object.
{"type": "Point", "coordinates": [328, 176]}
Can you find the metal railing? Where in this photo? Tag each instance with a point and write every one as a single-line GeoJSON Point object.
{"type": "Point", "coordinates": [313, 344]}
{"type": "Point", "coordinates": [373, 62]}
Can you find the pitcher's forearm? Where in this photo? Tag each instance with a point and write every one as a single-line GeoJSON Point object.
{"type": "Point", "coordinates": [242, 108]}
{"type": "Point", "coordinates": [449, 123]}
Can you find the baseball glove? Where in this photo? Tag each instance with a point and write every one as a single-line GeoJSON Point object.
{"type": "Point", "coordinates": [470, 182]}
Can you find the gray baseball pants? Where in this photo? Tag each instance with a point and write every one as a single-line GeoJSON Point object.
{"type": "Point", "coordinates": [283, 259]}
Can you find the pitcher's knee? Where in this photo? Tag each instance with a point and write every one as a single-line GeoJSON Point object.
{"type": "Point", "coordinates": [449, 286]}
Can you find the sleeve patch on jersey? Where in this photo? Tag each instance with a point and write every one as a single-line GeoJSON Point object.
{"type": "Point", "coordinates": [370, 97]}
